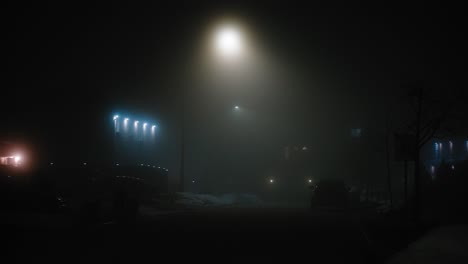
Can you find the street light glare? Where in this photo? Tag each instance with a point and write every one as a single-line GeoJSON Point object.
{"type": "Point", "coordinates": [115, 117]}
{"type": "Point", "coordinates": [228, 41]}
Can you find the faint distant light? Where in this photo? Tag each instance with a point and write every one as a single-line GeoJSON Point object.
{"type": "Point", "coordinates": [115, 117]}
{"type": "Point", "coordinates": [148, 165]}
{"type": "Point", "coordinates": [117, 164]}
{"type": "Point", "coordinates": [154, 166]}
{"type": "Point", "coordinates": [453, 167]}
{"type": "Point", "coordinates": [236, 107]}
{"type": "Point", "coordinates": [433, 171]}
{"type": "Point", "coordinates": [84, 163]}
{"type": "Point", "coordinates": [51, 163]}
{"type": "Point", "coordinates": [142, 164]}
{"type": "Point", "coordinates": [193, 181]}
{"type": "Point", "coordinates": [159, 167]}
{"type": "Point", "coordinates": [272, 180]}
{"type": "Point", "coordinates": [304, 148]}
{"type": "Point", "coordinates": [356, 132]}
{"type": "Point", "coordinates": [310, 181]}
{"type": "Point", "coordinates": [451, 146]}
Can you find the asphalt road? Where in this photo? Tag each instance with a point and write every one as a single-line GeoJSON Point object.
{"type": "Point", "coordinates": [254, 235]}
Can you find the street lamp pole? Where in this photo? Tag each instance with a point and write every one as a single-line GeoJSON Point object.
{"type": "Point", "coordinates": [228, 41]}
{"type": "Point", "coordinates": [181, 186]}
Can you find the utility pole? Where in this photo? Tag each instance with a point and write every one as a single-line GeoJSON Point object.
{"type": "Point", "coordinates": [417, 173]}
{"type": "Point", "coordinates": [181, 186]}
{"type": "Point", "coordinates": [389, 176]}
{"type": "Point", "coordinates": [387, 152]}
{"type": "Point", "coordinates": [406, 185]}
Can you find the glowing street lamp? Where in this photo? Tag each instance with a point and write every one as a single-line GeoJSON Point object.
{"type": "Point", "coordinates": [17, 159]}
{"type": "Point", "coordinates": [153, 132]}
{"type": "Point", "coordinates": [144, 130]}
{"type": "Point", "coordinates": [228, 41]}
{"type": "Point", "coordinates": [135, 128]}
{"type": "Point", "coordinates": [116, 124]}
{"type": "Point", "coordinates": [126, 124]}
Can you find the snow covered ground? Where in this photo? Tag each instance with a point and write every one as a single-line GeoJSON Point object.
{"type": "Point", "coordinates": [444, 245]}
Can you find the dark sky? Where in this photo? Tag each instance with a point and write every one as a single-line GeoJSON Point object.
{"type": "Point", "coordinates": [70, 66]}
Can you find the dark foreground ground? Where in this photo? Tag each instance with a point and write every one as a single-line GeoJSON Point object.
{"type": "Point", "coordinates": [254, 235]}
